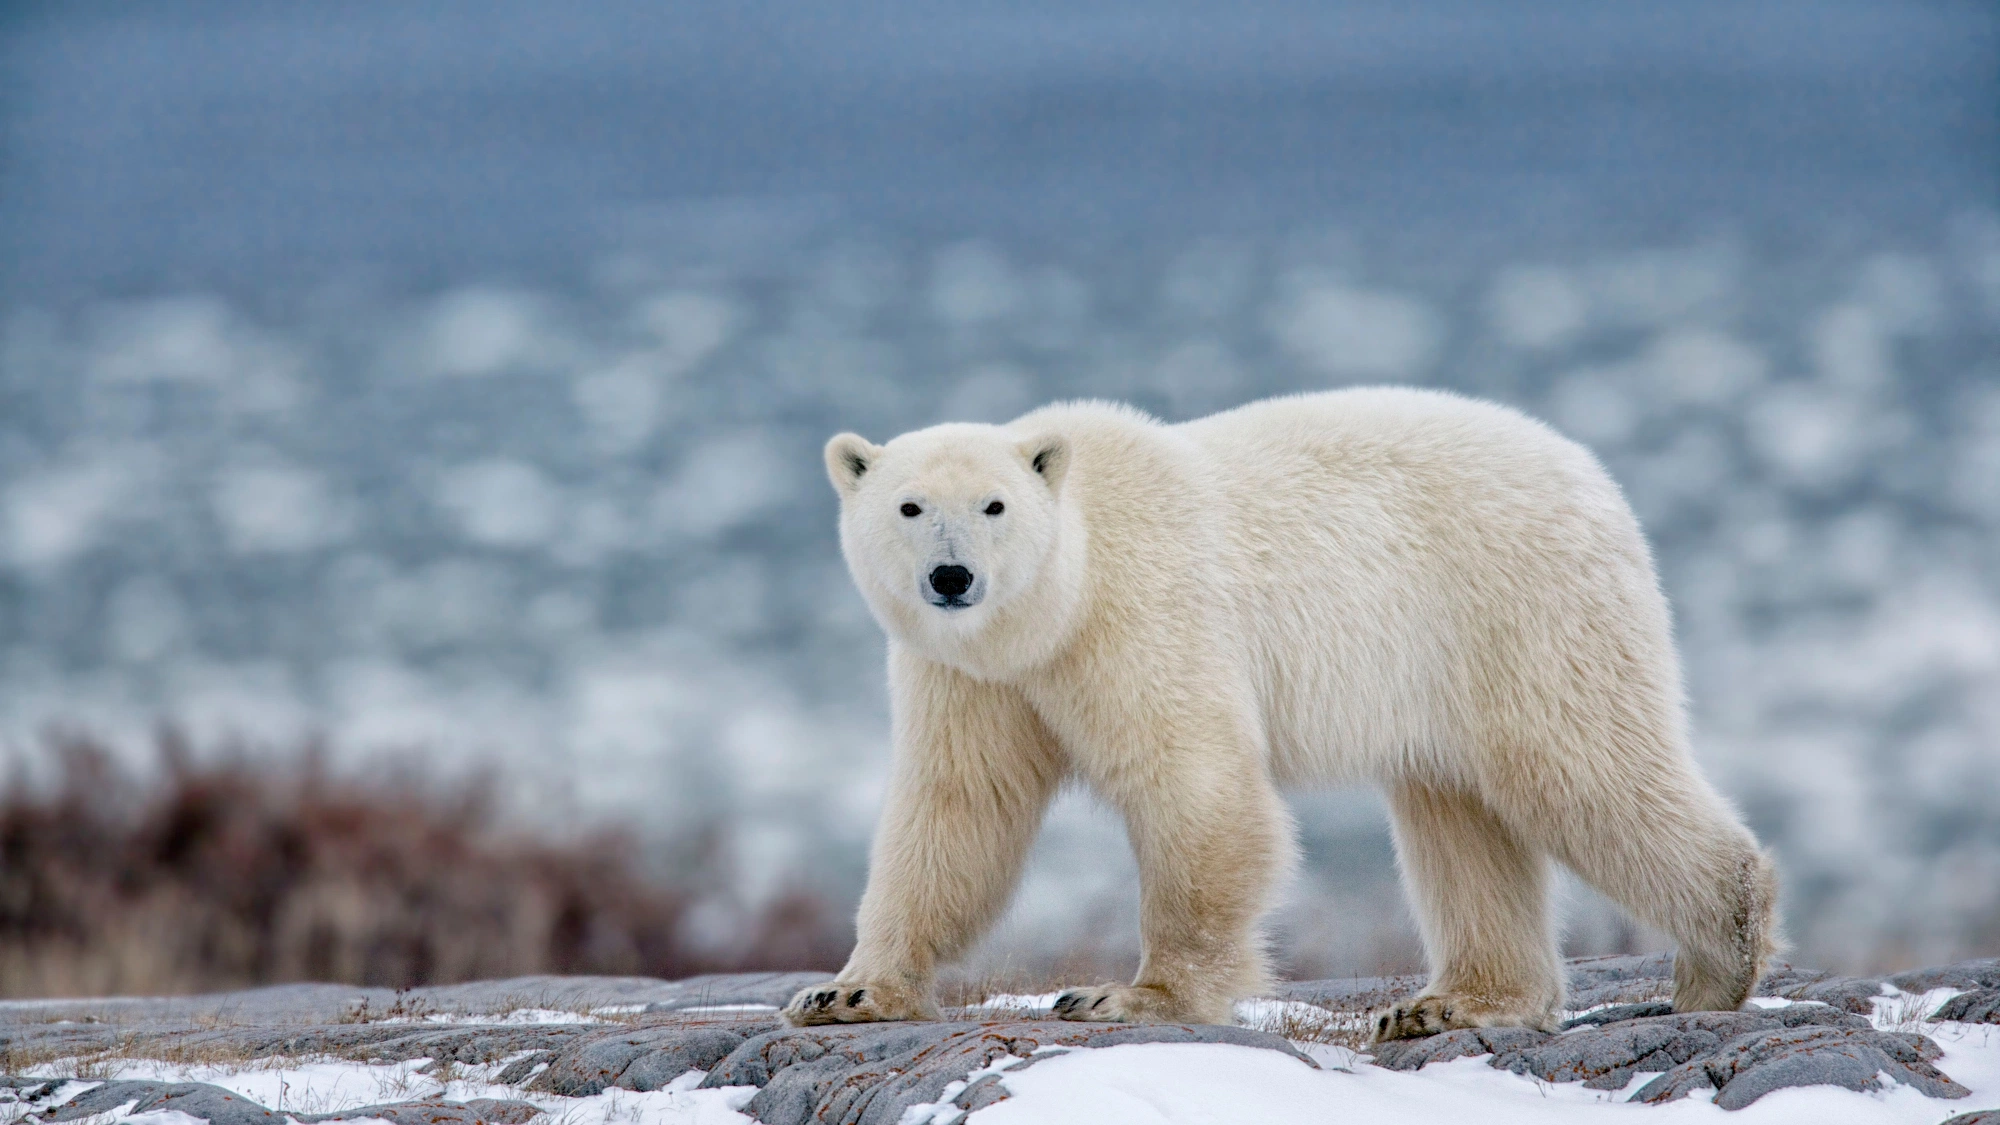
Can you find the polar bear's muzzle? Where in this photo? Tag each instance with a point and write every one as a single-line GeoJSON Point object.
{"type": "Point", "coordinates": [954, 587]}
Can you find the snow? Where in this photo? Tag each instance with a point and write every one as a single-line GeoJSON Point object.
{"type": "Point", "coordinates": [304, 1087]}
{"type": "Point", "coordinates": [517, 1016]}
{"type": "Point", "coordinates": [1204, 1083]}
{"type": "Point", "coordinates": [1209, 1083]}
{"type": "Point", "coordinates": [1018, 1002]}
{"type": "Point", "coordinates": [731, 1008]}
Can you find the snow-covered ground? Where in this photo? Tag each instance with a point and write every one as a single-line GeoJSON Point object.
{"type": "Point", "coordinates": [295, 1087]}
{"type": "Point", "coordinates": [1175, 1082]}
{"type": "Point", "coordinates": [1141, 1084]}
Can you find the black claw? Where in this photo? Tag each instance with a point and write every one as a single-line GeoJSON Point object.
{"type": "Point", "coordinates": [1100, 1002]}
{"type": "Point", "coordinates": [854, 999]}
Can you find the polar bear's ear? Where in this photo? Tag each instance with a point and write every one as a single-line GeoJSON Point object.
{"type": "Point", "coordinates": [848, 459]}
{"type": "Point", "coordinates": [1048, 455]}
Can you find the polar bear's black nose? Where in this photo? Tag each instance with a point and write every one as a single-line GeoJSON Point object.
{"type": "Point", "coordinates": [951, 581]}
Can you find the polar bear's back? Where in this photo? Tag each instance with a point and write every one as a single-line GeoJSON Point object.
{"type": "Point", "coordinates": [1413, 568]}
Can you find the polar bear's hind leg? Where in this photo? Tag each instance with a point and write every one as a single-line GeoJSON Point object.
{"type": "Point", "coordinates": [1669, 849]}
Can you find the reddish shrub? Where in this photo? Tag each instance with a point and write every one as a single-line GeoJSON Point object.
{"type": "Point", "coordinates": [243, 869]}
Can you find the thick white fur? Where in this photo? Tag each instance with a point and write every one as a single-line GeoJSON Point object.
{"type": "Point", "coordinates": [1436, 595]}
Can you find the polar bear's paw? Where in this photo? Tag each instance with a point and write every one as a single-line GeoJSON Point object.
{"type": "Point", "coordinates": [1122, 1003]}
{"type": "Point", "coordinates": [858, 1002]}
{"type": "Point", "coordinates": [1429, 1015]}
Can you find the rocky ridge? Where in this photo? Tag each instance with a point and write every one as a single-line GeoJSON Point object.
{"type": "Point", "coordinates": [597, 1034]}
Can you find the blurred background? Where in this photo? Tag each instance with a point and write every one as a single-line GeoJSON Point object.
{"type": "Point", "coordinates": [415, 558]}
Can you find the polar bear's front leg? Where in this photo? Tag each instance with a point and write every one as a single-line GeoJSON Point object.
{"type": "Point", "coordinates": [1479, 892]}
{"type": "Point", "coordinates": [975, 770]}
{"type": "Point", "coordinates": [859, 1003]}
{"type": "Point", "coordinates": [1212, 837]}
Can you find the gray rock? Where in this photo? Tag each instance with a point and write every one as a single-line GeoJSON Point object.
{"type": "Point", "coordinates": [1605, 1056]}
{"type": "Point", "coordinates": [1978, 1006]}
{"type": "Point", "coordinates": [986, 1090]}
{"type": "Point", "coordinates": [523, 1068]}
{"type": "Point", "coordinates": [1851, 994]}
{"type": "Point", "coordinates": [1412, 1054]}
{"type": "Point", "coordinates": [1750, 1066]}
{"type": "Point", "coordinates": [1982, 973]}
{"type": "Point", "coordinates": [213, 1104]}
{"type": "Point", "coordinates": [1742, 1055]}
{"type": "Point", "coordinates": [438, 1111]}
{"type": "Point", "coordinates": [224, 1107]}
{"type": "Point", "coordinates": [1619, 1013]}
{"type": "Point", "coordinates": [644, 1058]}
{"type": "Point", "coordinates": [332, 1003]}
{"type": "Point", "coordinates": [869, 1074]}
{"type": "Point", "coordinates": [1977, 1117]}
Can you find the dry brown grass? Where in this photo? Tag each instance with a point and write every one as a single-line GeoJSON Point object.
{"type": "Point", "coordinates": [1304, 1023]}
{"type": "Point", "coordinates": [223, 871]}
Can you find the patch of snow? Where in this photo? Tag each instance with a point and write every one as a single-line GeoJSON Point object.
{"type": "Point", "coordinates": [1017, 1002]}
{"type": "Point", "coordinates": [1896, 1010]}
{"type": "Point", "coordinates": [728, 1008]}
{"type": "Point", "coordinates": [515, 1016]}
{"type": "Point", "coordinates": [942, 1112]}
{"type": "Point", "coordinates": [325, 1086]}
{"type": "Point", "coordinates": [1769, 1002]}
{"type": "Point", "coordinates": [1164, 1083]}
{"type": "Point", "coordinates": [1296, 1019]}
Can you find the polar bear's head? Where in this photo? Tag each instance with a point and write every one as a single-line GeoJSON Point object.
{"type": "Point", "coordinates": [945, 528]}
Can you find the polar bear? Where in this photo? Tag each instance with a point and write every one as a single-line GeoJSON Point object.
{"type": "Point", "coordinates": [1433, 594]}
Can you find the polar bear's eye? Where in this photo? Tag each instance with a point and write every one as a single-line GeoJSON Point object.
{"type": "Point", "coordinates": [995, 508]}
{"type": "Point", "coordinates": [912, 511]}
